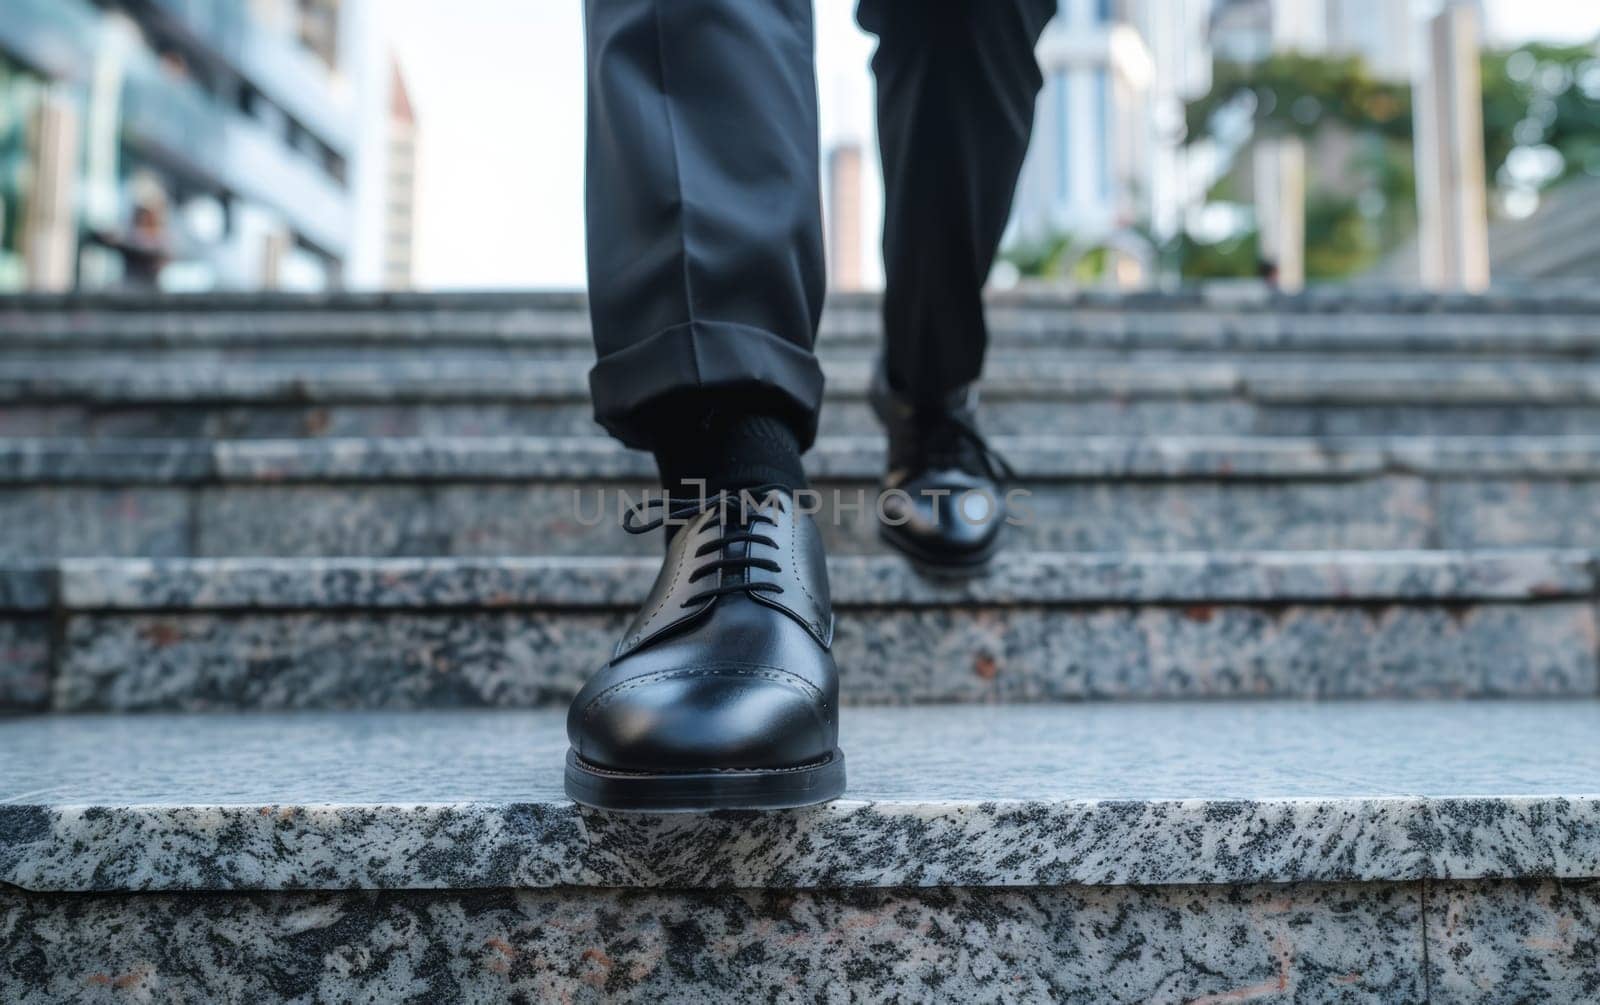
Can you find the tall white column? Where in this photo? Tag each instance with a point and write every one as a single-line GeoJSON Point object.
{"type": "Point", "coordinates": [843, 218]}
{"type": "Point", "coordinates": [50, 227]}
{"type": "Point", "coordinates": [275, 247]}
{"type": "Point", "coordinates": [1280, 167]}
{"type": "Point", "coordinates": [1452, 196]}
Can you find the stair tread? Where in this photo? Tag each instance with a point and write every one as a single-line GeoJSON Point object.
{"type": "Point", "coordinates": [156, 461]}
{"type": "Point", "coordinates": [436, 377]}
{"type": "Point", "coordinates": [236, 634]}
{"type": "Point", "coordinates": [856, 581]}
{"type": "Point", "coordinates": [989, 795]}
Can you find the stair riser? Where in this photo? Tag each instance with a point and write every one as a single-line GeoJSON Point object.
{"type": "Point", "coordinates": [1103, 417]}
{"type": "Point", "coordinates": [1379, 942]}
{"type": "Point", "coordinates": [1075, 348]}
{"type": "Point", "coordinates": [1523, 335]}
{"type": "Point", "coordinates": [353, 659]}
{"type": "Point", "coordinates": [1389, 511]}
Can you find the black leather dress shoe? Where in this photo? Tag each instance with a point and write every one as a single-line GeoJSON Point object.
{"type": "Point", "coordinates": [722, 693]}
{"type": "Point", "coordinates": [944, 496]}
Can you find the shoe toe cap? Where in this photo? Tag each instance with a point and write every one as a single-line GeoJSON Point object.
{"type": "Point", "coordinates": [950, 517]}
{"type": "Point", "coordinates": [726, 717]}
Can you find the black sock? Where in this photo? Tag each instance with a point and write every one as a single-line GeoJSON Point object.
{"type": "Point", "coordinates": [727, 448]}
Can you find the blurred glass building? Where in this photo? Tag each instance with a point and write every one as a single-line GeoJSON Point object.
{"type": "Point", "coordinates": [1107, 167]}
{"type": "Point", "coordinates": [207, 142]}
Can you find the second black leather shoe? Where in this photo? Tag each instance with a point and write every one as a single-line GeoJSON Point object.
{"type": "Point", "coordinates": [943, 502]}
{"type": "Point", "coordinates": [722, 693]}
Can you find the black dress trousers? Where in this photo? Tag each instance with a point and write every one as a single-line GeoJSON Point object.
{"type": "Point", "coordinates": [703, 199]}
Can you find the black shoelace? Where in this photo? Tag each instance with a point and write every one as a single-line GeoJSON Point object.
{"type": "Point", "coordinates": [749, 508]}
{"type": "Point", "coordinates": [952, 441]}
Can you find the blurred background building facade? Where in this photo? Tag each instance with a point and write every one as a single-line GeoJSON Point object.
{"type": "Point", "coordinates": [1107, 169]}
{"type": "Point", "coordinates": [194, 143]}
{"type": "Point", "coordinates": [1312, 140]}
{"type": "Point", "coordinates": [250, 143]}
{"type": "Point", "coordinates": [400, 190]}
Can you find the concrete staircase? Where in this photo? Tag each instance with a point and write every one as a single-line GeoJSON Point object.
{"type": "Point", "coordinates": [363, 536]}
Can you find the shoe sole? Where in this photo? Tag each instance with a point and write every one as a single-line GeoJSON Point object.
{"type": "Point", "coordinates": [942, 567]}
{"type": "Point", "coordinates": [703, 791]}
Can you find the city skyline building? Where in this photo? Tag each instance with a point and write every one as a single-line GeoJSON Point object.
{"type": "Point", "coordinates": [232, 125]}
{"type": "Point", "coordinates": [1382, 33]}
{"type": "Point", "coordinates": [1088, 168]}
{"type": "Point", "coordinates": [87, 68]}
{"type": "Point", "coordinates": [844, 216]}
{"type": "Point", "coordinates": [1178, 35]}
{"type": "Point", "coordinates": [1108, 166]}
{"type": "Point", "coordinates": [400, 188]}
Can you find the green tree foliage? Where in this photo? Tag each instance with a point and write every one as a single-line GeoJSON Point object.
{"type": "Point", "coordinates": [1542, 98]}
{"type": "Point", "coordinates": [1293, 93]}
{"type": "Point", "coordinates": [1230, 258]}
{"type": "Point", "coordinates": [1541, 118]}
{"type": "Point", "coordinates": [1038, 258]}
{"type": "Point", "coordinates": [1541, 126]}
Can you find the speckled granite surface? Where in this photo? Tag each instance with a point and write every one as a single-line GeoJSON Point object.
{"type": "Point", "coordinates": [1221, 577]}
{"type": "Point", "coordinates": [1052, 393]}
{"type": "Point", "coordinates": [1447, 942]}
{"type": "Point", "coordinates": [1239, 361]}
{"type": "Point", "coordinates": [452, 378]}
{"type": "Point", "coordinates": [1549, 320]}
{"type": "Point", "coordinates": [69, 521]}
{"type": "Point", "coordinates": [467, 519]}
{"type": "Point", "coordinates": [1518, 511]}
{"type": "Point", "coordinates": [1061, 377]}
{"type": "Point", "coordinates": [263, 634]}
{"type": "Point", "coordinates": [1351, 943]}
{"type": "Point", "coordinates": [357, 415]}
{"type": "Point", "coordinates": [25, 664]}
{"type": "Point", "coordinates": [511, 659]}
{"type": "Point", "coordinates": [1531, 940]}
{"type": "Point", "coordinates": [488, 416]}
{"type": "Point", "coordinates": [66, 460]}
{"type": "Point", "coordinates": [498, 496]}
{"type": "Point", "coordinates": [945, 796]}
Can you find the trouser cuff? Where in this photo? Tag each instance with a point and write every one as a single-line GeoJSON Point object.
{"type": "Point", "coordinates": [714, 355]}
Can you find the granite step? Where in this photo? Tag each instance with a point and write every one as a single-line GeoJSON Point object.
{"type": "Point", "coordinates": [1346, 852]}
{"type": "Point", "coordinates": [489, 496]}
{"type": "Point", "coordinates": [1542, 297]}
{"type": "Point", "coordinates": [244, 634]}
{"type": "Point", "coordinates": [1051, 396]}
{"type": "Point", "coordinates": [1532, 325]}
{"type": "Point", "coordinates": [250, 340]}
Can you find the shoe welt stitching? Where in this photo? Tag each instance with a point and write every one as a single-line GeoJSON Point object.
{"type": "Point", "coordinates": [597, 769]}
{"type": "Point", "coordinates": [777, 675]}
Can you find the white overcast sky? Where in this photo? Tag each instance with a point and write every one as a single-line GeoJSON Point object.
{"type": "Point", "coordinates": [498, 89]}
